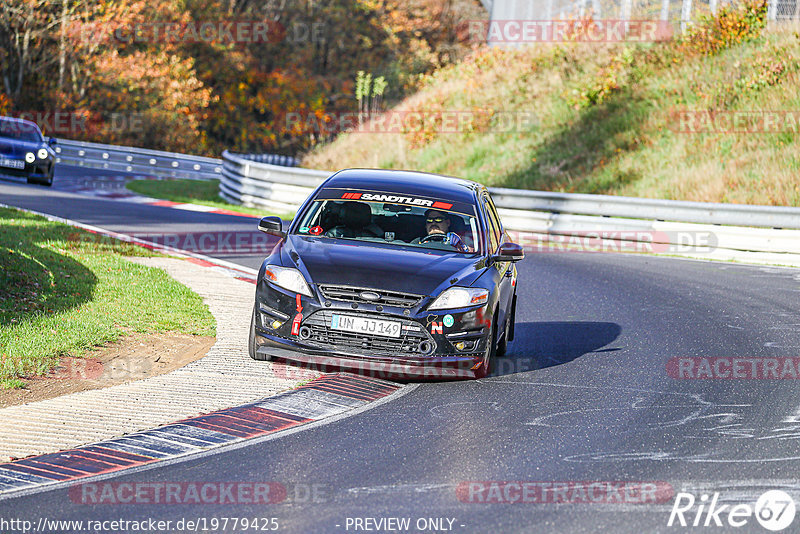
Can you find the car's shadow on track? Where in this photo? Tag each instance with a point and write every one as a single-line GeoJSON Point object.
{"type": "Point", "coordinates": [538, 345]}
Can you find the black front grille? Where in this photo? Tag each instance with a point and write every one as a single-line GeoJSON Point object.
{"type": "Point", "coordinates": [407, 344]}
{"type": "Point", "coordinates": [385, 298]}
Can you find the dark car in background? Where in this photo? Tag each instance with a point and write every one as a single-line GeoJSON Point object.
{"type": "Point", "coordinates": [24, 151]}
{"type": "Point", "coordinates": [390, 273]}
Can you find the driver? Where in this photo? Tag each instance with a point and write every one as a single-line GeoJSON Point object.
{"type": "Point", "coordinates": [437, 226]}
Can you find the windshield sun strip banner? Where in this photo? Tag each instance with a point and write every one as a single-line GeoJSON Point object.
{"type": "Point", "coordinates": [396, 198]}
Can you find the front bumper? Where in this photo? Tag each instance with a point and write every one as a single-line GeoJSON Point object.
{"type": "Point", "coordinates": [40, 169]}
{"type": "Point", "coordinates": [433, 344]}
{"type": "Point", "coordinates": [397, 368]}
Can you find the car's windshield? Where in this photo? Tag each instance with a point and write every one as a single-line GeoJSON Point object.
{"type": "Point", "coordinates": [21, 131]}
{"type": "Point", "coordinates": [394, 223]}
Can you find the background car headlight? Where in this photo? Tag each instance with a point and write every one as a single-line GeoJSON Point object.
{"type": "Point", "coordinates": [42, 153]}
{"type": "Point", "coordinates": [288, 278]}
{"type": "Point", "coordinates": [30, 157]}
{"type": "Point", "coordinates": [460, 297]}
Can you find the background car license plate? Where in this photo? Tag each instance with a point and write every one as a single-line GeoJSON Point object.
{"type": "Point", "coordinates": [363, 325]}
{"type": "Point", "coordinates": [14, 163]}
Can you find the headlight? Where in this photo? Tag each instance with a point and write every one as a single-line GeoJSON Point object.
{"type": "Point", "coordinates": [459, 297]}
{"type": "Point", "coordinates": [42, 153]}
{"type": "Point", "coordinates": [288, 278]}
{"type": "Point", "coordinates": [30, 157]}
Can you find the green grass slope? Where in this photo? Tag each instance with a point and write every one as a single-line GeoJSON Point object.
{"type": "Point", "coordinates": [64, 291]}
{"type": "Point", "coordinates": [605, 117]}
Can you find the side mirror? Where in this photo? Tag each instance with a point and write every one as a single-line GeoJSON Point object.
{"type": "Point", "coordinates": [52, 141]}
{"type": "Point", "coordinates": [509, 252]}
{"type": "Point", "coordinates": [272, 226]}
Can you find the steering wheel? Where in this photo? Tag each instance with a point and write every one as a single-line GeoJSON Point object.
{"type": "Point", "coordinates": [441, 238]}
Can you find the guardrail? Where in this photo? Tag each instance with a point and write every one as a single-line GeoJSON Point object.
{"type": "Point", "coordinates": [272, 159]}
{"type": "Point", "coordinates": [538, 216]}
{"type": "Point", "coordinates": [255, 184]}
{"type": "Point", "coordinates": [136, 160]}
{"type": "Point", "coordinates": [150, 162]}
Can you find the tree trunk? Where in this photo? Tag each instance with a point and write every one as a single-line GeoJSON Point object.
{"type": "Point", "coordinates": [686, 14]}
{"type": "Point", "coordinates": [62, 46]}
{"type": "Point", "coordinates": [23, 58]}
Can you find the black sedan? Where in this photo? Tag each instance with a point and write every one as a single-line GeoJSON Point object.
{"type": "Point", "coordinates": [24, 152]}
{"type": "Point", "coordinates": [391, 273]}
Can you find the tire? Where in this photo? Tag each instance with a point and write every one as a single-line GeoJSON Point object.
{"type": "Point", "coordinates": [489, 355]}
{"type": "Point", "coordinates": [251, 344]}
{"type": "Point", "coordinates": [508, 328]}
{"type": "Point", "coordinates": [46, 181]}
{"type": "Point", "coordinates": [513, 317]}
{"type": "Point", "coordinates": [503, 345]}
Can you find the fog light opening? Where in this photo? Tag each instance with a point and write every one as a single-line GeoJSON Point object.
{"type": "Point", "coordinates": [426, 347]}
{"type": "Point", "coordinates": [466, 345]}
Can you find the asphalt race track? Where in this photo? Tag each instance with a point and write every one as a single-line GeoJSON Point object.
{"type": "Point", "coordinates": [584, 395]}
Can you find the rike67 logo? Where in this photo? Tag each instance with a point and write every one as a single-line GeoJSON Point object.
{"type": "Point", "coordinates": [774, 511]}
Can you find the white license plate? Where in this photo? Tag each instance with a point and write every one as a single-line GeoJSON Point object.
{"type": "Point", "coordinates": [13, 163]}
{"type": "Point", "coordinates": [363, 325]}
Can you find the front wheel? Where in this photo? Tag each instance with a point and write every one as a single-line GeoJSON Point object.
{"type": "Point", "coordinates": [503, 345]}
{"type": "Point", "coordinates": [251, 343]}
{"type": "Point", "coordinates": [489, 354]}
{"type": "Point", "coordinates": [508, 328]}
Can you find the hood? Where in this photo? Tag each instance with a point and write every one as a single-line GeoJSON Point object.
{"type": "Point", "coordinates": [15, 147]}
{"type": "Point", "coordinates": [379, 266]}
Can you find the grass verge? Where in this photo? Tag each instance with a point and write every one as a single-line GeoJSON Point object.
{"type": "Point", "coordinates": [202, 192]}
{"type": "Point", "coordinates": [64, 291]}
